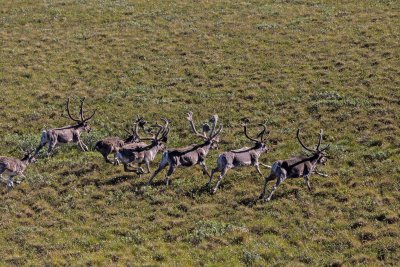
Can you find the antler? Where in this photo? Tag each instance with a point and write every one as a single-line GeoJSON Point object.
{"type": "Point", "coordinates": [81, 112]}
{"type": "Point", "coordinates": [321, 132]}
{"type": "Point", "coordinates": [190, 119]}
{"type": "Point", "coordinates": [263, 132]}
{"type": "Point", "coordinates": [162, 131]}
{"type": "Point", "coordinates": [165, 130]}
{"type": "Point", "coordinates": [301, 143]}
{"type": "Point", "coordinates": [213, 120]}
{"type": "Point", "coordinates": [139, 123]}
{"type": "Point", "coordinates": [245, 131]}
{"type": "Point", "coordinates": [69, 113]}
{"type": "Point", "coordinates": [82, 118]}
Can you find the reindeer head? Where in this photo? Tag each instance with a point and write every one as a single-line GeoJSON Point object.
{"type": "Point", "coordinates": [261, 141]}
{"type": "Point", "coordinates": [320, 153]}
{"type": "Point", "coordinates": [213, 136]}
{"type": "Point", "coordinates": [133, 133]}
{"type": "Point", "coordinates": [82, 122]}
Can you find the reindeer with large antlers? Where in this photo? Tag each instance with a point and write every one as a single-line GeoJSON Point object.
{"type": "Point", "coordinates": [14, 166]}
{"type": "Point", "coordinates": [193, 154]}
{"type": "Point", "coordinates": [67, 134]}
{"type": "Point", "coordinates": [246, 156]}
{"type": "Point", "coordinates": [142, 153]}
{"type": "Point", "coordinates": [110, 145]}
{"type": "Point", "coordinates": [301, 166]}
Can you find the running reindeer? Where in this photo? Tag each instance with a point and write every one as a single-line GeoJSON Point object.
{"type": "Point", "coordinates": [14, 166]}
{"type": "Point", "coordinates": [300, 166]}
{"type": "Point", "coordinates": [110, 145]}
{"type": "Point", "coordinates": [241, 157]}
{"type": "Point", "coordinates": [67, 134]}
{"type": "Point", "coordinates": [193, 154]}
{"type": "Point", "coordinates": [142, 153]}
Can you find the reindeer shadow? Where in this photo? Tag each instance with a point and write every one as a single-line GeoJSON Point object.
{"type": "Point", "coordinates": [249, 202]}
{"type": "Point", "coordinates": [118, 180]}
{"type": "Point", "coordinates": [153, 184]}
{"type": "Point", "coordinates": [198, 191]}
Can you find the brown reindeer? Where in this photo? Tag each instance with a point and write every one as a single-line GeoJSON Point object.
{"type": "Point", "coordinates": [300, 166]}
{"type": "Point", "coordinates": [110, 145]}
{"type": "Point", "coordinates": [14, 166]}
{"type": "Point", "coordinates": [193, 154]}
{"type": "Point", "coordinates": [142, 153]}
{"type": "Point", "coordinates": [246, 156]}
{"type": "Point", "coordinates": [67, 134]}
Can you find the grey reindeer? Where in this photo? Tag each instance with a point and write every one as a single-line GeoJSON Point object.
{"type": "Point", "coordinates": [110, 145]}
{"type": "Point", "coordinates": [296, 167]}
{"type": "Point", "coordinates": [67, 134]}
{"type": "Point", "coordinates": [142, 153]}
{"type": "Point", "coordinates": [13, 166]}
{"type": "Point", "coordinates": [246, 156]}
{"type": "Point", "coordinates": [193, 154]}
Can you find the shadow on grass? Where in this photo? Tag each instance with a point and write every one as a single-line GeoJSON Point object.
{"type": "Point", "coordinates": [198, 191]}
{"type": "Point", "coordinates": [249, 202]}
{"type": "Point", "coordinates": [117, 180]}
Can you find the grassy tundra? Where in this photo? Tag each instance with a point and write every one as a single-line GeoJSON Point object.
{"type": "Point", "coordinates": [309, 64]}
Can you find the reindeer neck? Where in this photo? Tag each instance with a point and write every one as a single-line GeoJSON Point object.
{"type": "Point", "coordinates": [206, 146]}
{"type": "Point", "coordinates": [313, 158]}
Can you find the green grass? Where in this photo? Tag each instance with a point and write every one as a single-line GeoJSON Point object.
{"type": "Point", "coordinates": [309, 64]}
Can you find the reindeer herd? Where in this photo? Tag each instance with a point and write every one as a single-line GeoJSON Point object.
{"type": "Point", "coordinates": [134, 150]}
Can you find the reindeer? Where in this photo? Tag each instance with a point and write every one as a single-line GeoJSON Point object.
{"type": "Point", "coordinates": [300, 166]}
{"type": "Point", "coordinates": [110, 145]}
{"type": "Point", "coordinates": [242, 157]}
{"type": "Point", "coordinates": [67, 134]}
{"type": "Point", "coordinates": [142, 153]}
{"type": "Point", "coordinates": [14, 166]}
{"type": "Point", "coordinates": [193, 154]}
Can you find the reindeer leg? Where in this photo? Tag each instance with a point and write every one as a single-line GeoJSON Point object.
{"type": "Point", "coordinates": [307, 182]}
{"type": "Point", "coordinates": [10, 182]}
{"type": "Point", "coordinates": [50, 148]}
{"type": "Point", "coordinates": [21, 180]}
{"type": "Point", "coordinates": [258, 168]}
{"type": "Point", "coordinates": [265, 165]}
{"type": "Point", "coordinates": [162, 165]}
{"type": "Point", "coordinates": [320, 174]}
{"type": "Point", "coordinates": [139, 170]}
{"type": "Point", "coordinates": [211, 176]}
{"type": "Point", "coordinates": [105, 156]}
{"type": "Point", "coordinates": [278, 182]}
{"type": "Point", "coordinates": [38, 149]}
{"type": "Point", "coordinates": [148, 166]}
{"type": "Point", "coordinates": [267, 179]}
{"type": "Point", "coordinates": [82, 145]}
{"type": "Point", "coordinates": [116, 160]}
{"type": "Point", "coordinates": [203, 165]}
{"type": "Point", "coordinates": [43, 142]}
{"type": "Point", "coordinates": [169, 173]}
{"type": "Point", "coordinates": [223, 172]}
{"type": "Point", "coordinates": [127, 169]}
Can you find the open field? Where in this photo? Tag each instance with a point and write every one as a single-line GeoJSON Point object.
{"type": "Point", "coordinates": [311, 64]}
